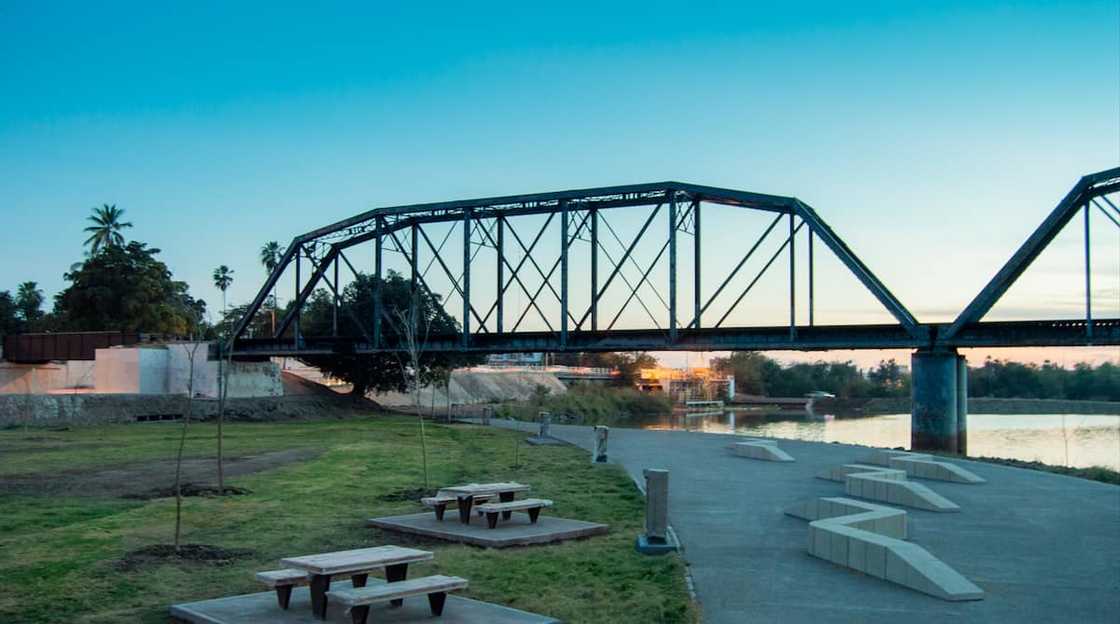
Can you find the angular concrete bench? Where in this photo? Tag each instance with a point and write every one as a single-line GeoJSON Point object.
{"type": "Point", "coordinates": [440, 501]}
{"type": "Point", "coordinates": [869, 538]}
{"type": "Point", "coordinates": [755, 448]}
{"type": "Point", "coordinates": [840, 473]}
{"type": "Point", "coordinates": [283, 581]}
{"type": "Point", "coordinates": [359, 599]}
{"type": "Point", "coordinates": [887, 485]}
{"type": "Point", "coordinates": [531, 505]}
{"type": "Point", "coordinates": [922, 466]}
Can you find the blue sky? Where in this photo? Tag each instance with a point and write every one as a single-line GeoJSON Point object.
{"type": "Point", "coordinates": [932, 136]}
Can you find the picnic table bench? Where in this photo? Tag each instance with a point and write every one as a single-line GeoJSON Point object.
{"type": "Point", "coordinates": [442, 499]}
{"type": "Point", "coordinates": [531, 505]}
{"type": "Point", "coordinates": [356, 563]}
{"type": "Point", "coordinates": [465, 496]}
{"type": "Point", "coordinates": [435, 587]}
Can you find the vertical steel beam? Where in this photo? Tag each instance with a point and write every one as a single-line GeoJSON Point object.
{"type": "Point", "coordinates": [563, 273]}
{"type": "Point", "coordinates": [334, 307]}
{"type": "Point", "coordinates": [414, 293]}
{"type": "Point", "coordinates": [298, 302]}
{"type": "Point", "coordinates": [672, 266]}
{"type": "Point", "coordinates": [499, 246]}
{"type": "Point", "coordinates": [810, 277]}
{"type": "Point", "coordinates": [594, 268]}
{"type": "Point", "coordinates": [1088, 280]}
{"type": "Point", "coordinates": [696, 262]}
{"type": "Point", "coordinates": [377, 248]}
{"type": "Point", "coordinates": [466, 277]}
{"type": "Point", "coordinates": [792, 281]}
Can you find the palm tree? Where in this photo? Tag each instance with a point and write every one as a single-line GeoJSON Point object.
{"type": "Point", "coordinates": [105, 231]}
{"type": "Point", "coordinates": [270, 258]}
{"type": "Point", "coordinates": [223, 277]}
{"type": "Point", "coordinates": [29, 300]}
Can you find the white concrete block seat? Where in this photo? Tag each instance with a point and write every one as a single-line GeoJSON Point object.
{"type": "Point", "coordinates": [532, 506]}
{"type": "Point", "coordinates": [359, 599]}
{"type": "Point", "coordinates": [922, 466]}
{"type": "Point", "coordinates": [870, 538]}
{"type": "Point", "coordinates": [283, 581]}
{"type": "Point", "coordinates": [758, 448]}
{"type": "Point", "coordinates": [887, 485]}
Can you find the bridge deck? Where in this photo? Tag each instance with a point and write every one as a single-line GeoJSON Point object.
{"type": "Point", "coordinates": [993, 334]}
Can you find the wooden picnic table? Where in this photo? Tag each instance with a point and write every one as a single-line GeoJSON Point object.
{"type": "Point", "coordinates": [465, 494]}
{"type": "Point", "coordinates": [356, 563]}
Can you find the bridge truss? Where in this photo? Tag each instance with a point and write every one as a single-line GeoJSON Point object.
{"type": "Point", "coordinates": [503, 243]}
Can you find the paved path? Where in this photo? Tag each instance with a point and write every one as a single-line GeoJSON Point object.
{"type": "Point", "coordinates": [1044, 547]}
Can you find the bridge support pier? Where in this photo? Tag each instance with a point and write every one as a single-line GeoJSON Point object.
{"type": "Point", "coordinates": [939, 411]}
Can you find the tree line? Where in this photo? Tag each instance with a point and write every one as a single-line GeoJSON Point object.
{"type": "Point", "coordinates": [758, 374]}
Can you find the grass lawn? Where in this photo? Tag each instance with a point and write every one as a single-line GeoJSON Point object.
{"type": "Point", "coordinates": [60, 546]}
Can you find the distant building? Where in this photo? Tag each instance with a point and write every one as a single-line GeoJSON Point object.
{"type": "Point", "coordinates": [515, 359]}
{"type": "Point", "coordinates": [693, 384]}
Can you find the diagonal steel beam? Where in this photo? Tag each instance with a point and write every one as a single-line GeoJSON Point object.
{"type": "Point", "coordinates": [308, 288]}
{"type": "Point", "coordinates": [735, 271]}
{"type": "Point", "coordinates": [338, 295]}
{"type": "Point", "coordinates": [1106, 213]}
{"type": "Point", "coordinates": [754, 281]}
{"type": "Point", "coordinates": [645, 277]}
{"type": "Point", "coordinates": [1026, 254]}
{"type": "Point", "coordinates": [454, 282]}
{"type": "Point", "coordinates": [514, 272]}
{"type": "Point", "coordinates": [263, 293]}
{"type": "Point", "coordinates": [533, 297]}
{"type": "Point", "coordinates": [860, 270]}
{"type": "Point", "coordinates": [622, 261]}
{"type": "Point", "coordinates": [534, 263]}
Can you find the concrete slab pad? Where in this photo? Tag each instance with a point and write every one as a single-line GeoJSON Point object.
{"type": "Point", "coordinates": [545, 441]}
{"type": "Point", "coordinates": [262, 607]}
{"type": "Point", "coordinates": [517, 531]}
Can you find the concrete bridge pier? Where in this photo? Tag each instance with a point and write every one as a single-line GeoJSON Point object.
{"type": "Point", "coordinates": [939, 391]}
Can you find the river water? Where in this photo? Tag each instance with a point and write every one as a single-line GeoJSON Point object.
{"type": "Point", "coordinates": [1077, 440]}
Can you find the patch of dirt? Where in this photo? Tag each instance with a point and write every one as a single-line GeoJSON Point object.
{"type": "Point", "coordinates": [407, 494]}
{"type": "Point", "coordinates": [163, 553]}
{"type": "Point", "coordinates": [139, 479]}
{"type": "Point", "coordinates": [189, 489]}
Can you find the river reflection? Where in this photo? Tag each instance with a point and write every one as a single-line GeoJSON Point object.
{"type": "Point", "coordinates": [1079, 440]}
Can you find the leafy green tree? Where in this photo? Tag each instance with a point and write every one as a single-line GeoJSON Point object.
{"type": "Point", "coordinates": [29, 300]}
{"type": "Point", "coordinates": [888, 379]}
{"type": "Point", "coordinates": [379, 372]}
{"type": "Point", "coordinates": [106, 228]}
{"type": "Point", "coordinates": [752, 371]}
{"type": "Point", "coordinates": [127, 288]}
{"type": "Point", "coordinates": [9, 315]}
{"type": "Point", "coordinates": [223, 278]}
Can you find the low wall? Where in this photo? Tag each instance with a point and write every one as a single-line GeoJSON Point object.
{"type": "Point", "coordinates": [47, 410]}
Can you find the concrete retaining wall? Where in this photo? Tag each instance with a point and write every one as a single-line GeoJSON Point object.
{"type": "Point", "coordinates": [44, 378]}
{"type": "Point", "coordinates": [94, 409]}
{"type": "Point", "coordinates": [481, 386]}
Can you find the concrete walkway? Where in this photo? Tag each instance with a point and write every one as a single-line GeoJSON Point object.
{"type": "Point", "coordinates": [1044, 547]}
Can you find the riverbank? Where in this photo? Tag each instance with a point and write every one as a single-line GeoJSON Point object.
{"type": "Point", "coordinates": [976, 405]}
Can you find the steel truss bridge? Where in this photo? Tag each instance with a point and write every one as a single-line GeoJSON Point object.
{"type": "Point", "coordinates": [567, 275]}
